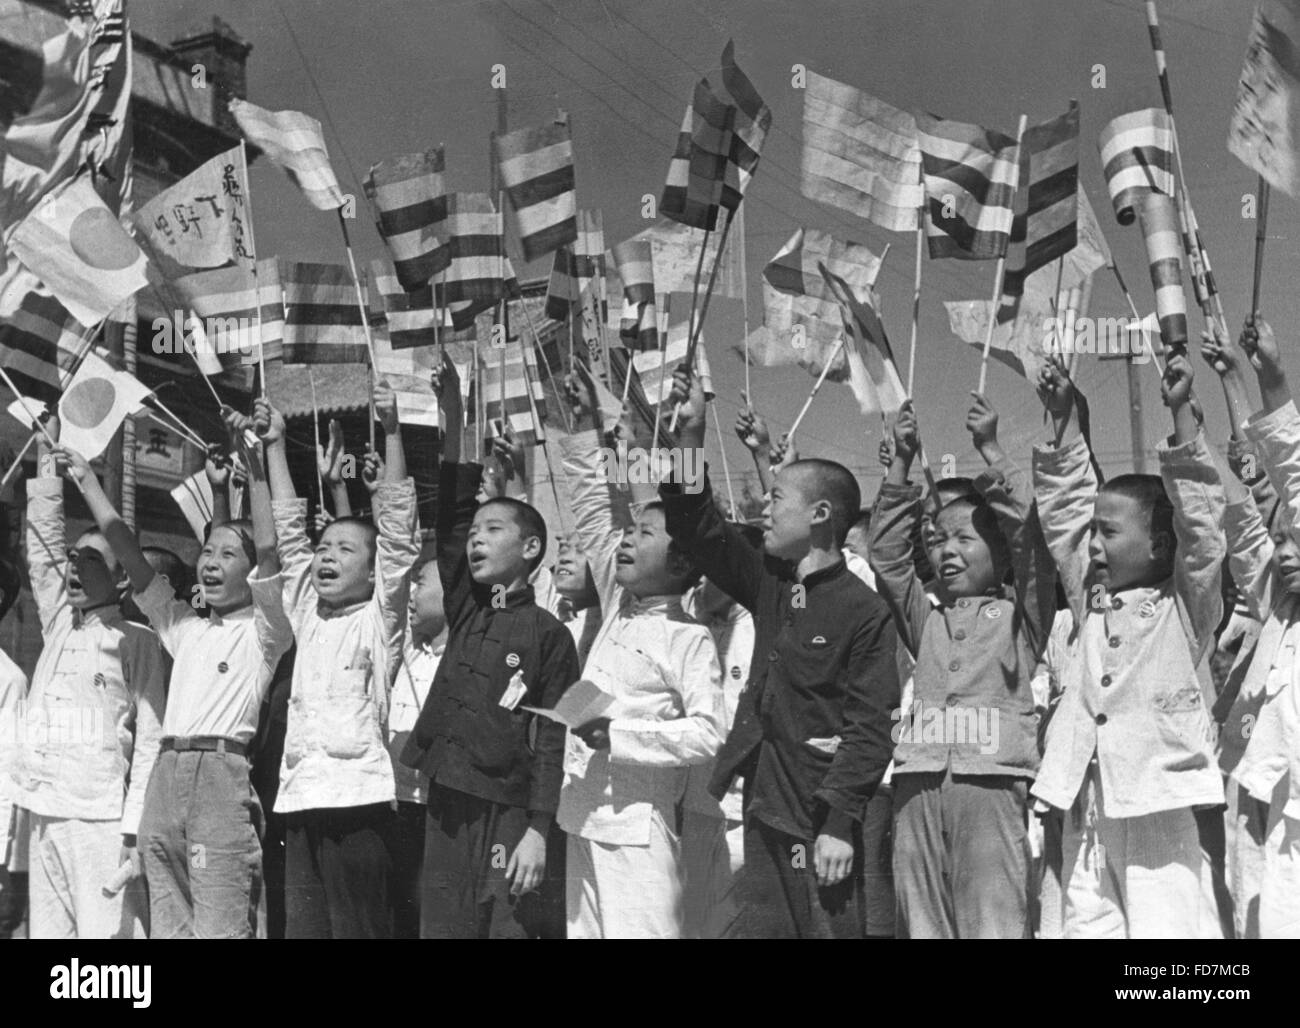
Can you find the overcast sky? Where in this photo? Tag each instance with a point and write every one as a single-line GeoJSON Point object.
{"type": "Point", "coordinates": [395, 76]}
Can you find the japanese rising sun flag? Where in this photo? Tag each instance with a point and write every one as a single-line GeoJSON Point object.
{"type": "Point", "coordinates": [294, 142]}
{"type": "Point", "coordinates": [970, 186]}
{"type": "Point", "coordinates": [536, 168]}
{"type": "Point", "coordinates": [95, 403]}
{"type": "Point", "coordinates": [411, 203]}
{"type": "Point", "coordinates": [75, 246]}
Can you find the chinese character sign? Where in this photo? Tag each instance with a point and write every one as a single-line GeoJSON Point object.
{"type": "Point", "coordinates": [203, 220]}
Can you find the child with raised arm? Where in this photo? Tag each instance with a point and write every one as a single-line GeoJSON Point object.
{"type": "Point", "coordinates": [88, 734]}
{"type": "Point", "coordinates": [811, 735]}
{"type": "Point", "coordinates": [493, 859]}
{"type": "Point", "coordinates": [199, 830]}
{"type": "Point", "coordinates": [967, 745]}
{"type": "Point", "coordinates": [626, 773]}
{"type": "Point", "coordinates": [346, 599]}
{"type": "Point", "coordinates": [1128, 752]}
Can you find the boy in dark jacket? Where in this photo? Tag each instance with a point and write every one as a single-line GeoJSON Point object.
{"type": "Point", "coordinates": [493, 859]}
{"type": "Point", "coordinates": [811, 736]}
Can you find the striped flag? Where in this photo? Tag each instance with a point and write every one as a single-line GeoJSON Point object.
{"type": "Point", "coordinates": [194, 498]}
{"type": "Point", "coordinates": [639, 324]}
{"type": "Point", "coordinates": [622, 371]}
{"type": "Point", "coordinates": [409, 317]}
{"type": "Point", "coordinates": [693, 191]}
{"type": "Point", "coordinates": [39, 340]}
{"type": "Point", "coordinates": [860, 154]}
{"type": "Point", "coordinates": [873, 375]}
{"type": "Point", "coordinates": [750, 123]}
{"type": "Point", "coordinates": [322, 323]}
{"type": "Point", "coordinates": [577, 267]}
{"type": "Point", "coordinates": [676, 253]}
{"type": "Point", "coordinates": [226, 301]}
{"type": "Point", "coordinates": [1137, 157]}
{"type": "Point", "coordinates": [294, 142]}
{"type": "Point", "coordinates": [410, 204]}
{"type": "Point", "coordinates": [478, 272]}
{"type": "Point", "coordinates": [655, 369]}
{"type": "Point", "coordinates": [1265, 130]}
{"type": "Point", "coordinates": [521, 409]}
{"type": "Point", "coordinates": [801, 315]}
{"type": "Point", "coordinates": [1159, 223]}
{"type": "Point", "coordinates": [536, 167]}
{"type": "Point", "coordinates": [1046, 222]}
{"type": "Point", "coordinates": [970, 186]}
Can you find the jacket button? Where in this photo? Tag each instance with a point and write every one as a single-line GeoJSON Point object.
{"type": "Point", "coordinates": [772, 657]}
{"type": "Point", "coordinates": [959, 634]}
{"type": "Point", "coordinates": [1114, 642]}
{"type": "Point", "coordinates": [955, 665]}
{"type": "Point", "coordinates": [1105, 680]}
{"type": "Point", "coordinates": [1101, 719]}
{"type": "Point", "coordinates": [963, 603]}
{"type": "Point", "coordinates": [1116, 603]}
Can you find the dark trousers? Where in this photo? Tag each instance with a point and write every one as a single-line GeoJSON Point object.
{"type": "Point", "coordinates": [336, 875]}
{"type": "Point", "coordinates": [467, 846]}
{"type": "Point", "coordinates": [778, 892]}
{"type": "Point", "coordinates": [273, 875]}
{"type": "Point", "coordinates": [405, 841]}
{"type": "Point", "coordinates": [879, 909]}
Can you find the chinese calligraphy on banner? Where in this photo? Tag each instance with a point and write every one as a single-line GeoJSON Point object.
{"type": "Point", "coordinates": [203, 220]}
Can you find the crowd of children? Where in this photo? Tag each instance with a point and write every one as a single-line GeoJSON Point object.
{"type": "Point", "coordinates": [1032, 704]}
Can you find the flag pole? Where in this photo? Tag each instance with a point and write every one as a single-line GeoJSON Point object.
{"type": "Point", "coordinates": [744, 297]}
{"type": "Point", "coordinates": [1137, 318]}
{"type": "Point", "coordinates": [178, 426]}
{"type": "Point", "coordinates": [916, 288]}
{"type": "Point", "coordinates": [816, 386]}
{"type": "Point", "coordinates": [501, 385]}
{"type": "Point", "coordinates": [4, 376]}
{"type": "Point", "coordinates": [663, 354]}
{"type": "Point", "coordinates": [479, 428]}
{"type": "Point", "coordinates": [698, 326]}
{"type": "Point", "coordinates": [722, 451]}
{"type": "Point", "coordinates": [257, 292]}
{"type": "Point", "coordinates": [315, 434]}
{"type": "Point", "coordinates": [365, 321]}
{"type": "Point", "coordinates": [18, 461]}
{"type": "Point", "coordinates": [1000, 274]}
{"type": "Point", "coordinates": [1261, 234]}
{"type": "Point", "coordinates": [541, 350]}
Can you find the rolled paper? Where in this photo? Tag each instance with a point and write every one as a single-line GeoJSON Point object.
{"type": "Point", "coordinates": [1137, 157]}
{"type": "Point", "coordinates": [1159, 220]}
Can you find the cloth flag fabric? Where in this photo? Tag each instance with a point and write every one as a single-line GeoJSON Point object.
{"type": "Point", "coordinates": [107, 136]}
{"type": "Point", "coordinates": [655, 369]}
{"type": "Point", "coordinates": [693, 191]}
{"type": "Point", "coordinates": [408, 372]}
{"type": "Point", "coordinates": [96, 401]}
{"type": "Point", "coordinates": [226, 302]}
{"type": "Point", "coordinates": [1265, 130]}
{"type": "Point", "coordinates": [577, 267]}
{"type": "Point", "coordinates": [478, 273]}
{"type": "Point", "coordinates": [39, 340]}
{"type": "Point", "coordinates": [873, 375]}
{"type": "Point", "coordinates": [521, 408]}
{"type": "Point", "coordinates": [1046, 222]}
{"type": "Point", "coordinates": [536, 168]}
{"type": "Point", "coordinates": [75, 246]}
{"type": "Point", "coordinates": [971, 175]}
{"type": "Point", "coordinates": [322, 323]}
{"type": "Point", "coordinates": [408, 317]}
{"type": "Point", "coordinates": [1137, 157]}
{"type": "Point", "coordinates": [801, 316]}
{"type": "Point", "coordinates": [1159, 223]}
{"type": "Point", "coordinates": [293, 141]}
{"type": "Point", "coordinates": [1019, 344]}
{"type": "Point", "coordinates": [193, 496]}
{"type": "Point", "coordinates": [860, 154]}
{"type": "Point", "coordinates": [675, 250]}
{"type": "Point", "coordinates": [639, 324]}
{"type": "Point", "coordinates": [751, 120]}
{"type": "Point", "coordinates": [202, 221]}
{"type": "Point", "coordinates": [410, 203]}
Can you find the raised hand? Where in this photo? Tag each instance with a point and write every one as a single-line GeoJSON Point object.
{"type": "Point", "coordinates": [329, 458]}
{"type": "Point", "coordinates": [1176, 384]}
{"type": "Point", "coordinates": [69, 464]}
{"type": "Point", "coordinates": [982, 423]}
{"type": "Point", "coordinates": [386, 406]}
{"type": "Point", "coordinates": [907, 433]}
{"type": "Point", "coordinates": [372, 471]}
{"type": "Point", "coordinates": [1219, 354]}
{"type": "Point", "coordinates": [1260, 344]}
{"type": "Point", "coordinates": [752, 429]}
{"type": "Point", "coordinates": [885, 452]}
{"type": "Point", "coordinates": [689, 392]}
{"type": "Point", "coordinates": [268, 423]}
{"type": "Point", "coordinates": [1054, 387]}
{"type": "Point", "coordinates": [217, 466]}
{"type": "Point", "coordinates": [509, 453]}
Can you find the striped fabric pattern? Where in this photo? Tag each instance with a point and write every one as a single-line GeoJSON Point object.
{"type": "Point", "coordinates": [802, 317]}
{"type": "Point", "coordinates": [1159, 223]}
{"type": "Point", "coordinates": [1137, 157]}
{"type": "Point", "coordinates": [409, 317]}
{"type": "Point", "coordinates": [970, 185]}
{"type": "Point", "coordinates": [293, 141]}
{"type": "Point", "coordinates": [478, 272]}
{"type": "Point", "coordinates": [676, 253]}
{"type": "Point", "coordinates": [225, 301]}
{"type": "Point", "coordinates": [620, 367]}
{"type": "Point", "coordinates": [860, 154]}
{"type": "Point", "coordinates": [693, 191]}
{"type": "Point", "coordinates": [751, 120]}
{"type": "Point", "coordinates": [39, 343]}
{"type": "Point", "coordinates": [536, 166]}
{"type": "Point", "coordinates": [522, 404]}
{"type": "Point", "coordinates": [655, 370]}
{"type": "Point", "coordinates": [322, 322]}
{"type": "Point", "coordinates": [639, 324]}
{"type": "Point", "coordinates": [1046, 222]}
{"type": "Point", "coordinates": [577, 267]}
{"type": "Point", "coordinates": [873, 375]}
{"type": "Point", "coordinates": [410, 204]}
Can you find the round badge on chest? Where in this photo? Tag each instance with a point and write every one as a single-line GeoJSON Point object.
{"type": "Point", "coordinates": [223, 667]}
{"type": "Point", "coordinates": [1147, 609]}
{"type": "Point", "coordinates": [992, 613]}
{"type": "Point", "coordinates": [512, 660]}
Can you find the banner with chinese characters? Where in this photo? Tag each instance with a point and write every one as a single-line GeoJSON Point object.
{"type": "Point", "coordinates": [203, 221]}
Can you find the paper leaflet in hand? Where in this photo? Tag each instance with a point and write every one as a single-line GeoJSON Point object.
{"type": "Point", "coordinates": [583, 702]}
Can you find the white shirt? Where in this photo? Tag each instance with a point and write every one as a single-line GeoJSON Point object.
{"type": "Point", "coordinates": [419, 665]}
{"type": "Point", "coordinates": [13, 691]}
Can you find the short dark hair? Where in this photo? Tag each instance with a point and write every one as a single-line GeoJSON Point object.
{"type": "Point", "coordinates": [955, 488]}
{"type": "Point", "coordinates": [177, 571]}
{"type": "Point", "coordinates": [862, 521]}
{"type": "Point", "coordinates": [692, 573]}
{"type": "Point", "coordinates": [11, 585]}
{"type": "Point", "coordinates": [985, 522]}
{"type": "Point", "coordinates": [528, 521]}
{"type": "Point", "coordinates": [243, 528]}
{"type": "Point", "coordinates": [367, 527]}
{"type": "Point", "coordinates": [827, 480]}
{"type": "Point", "coordinates": [1148, 492]}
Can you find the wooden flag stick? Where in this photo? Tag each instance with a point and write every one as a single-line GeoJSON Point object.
{"type": "Point", "coordinates": [999, 276]}
{"type": "Point", "coordinates": [1137, 319]}
{"type": "Point", "coordinates": [916, 289]}
{"type": "Point", "coordinates": [1261, 234]}
{"type": "Point", "coordinates": [663, 353]}
{"type": "Point", "coordinates": [722, 452]}
{"type": "Point", "coordinates": [315, 434]}
{"type": "Point", "coordinates": [699, 267]}
{"type": "Point", "coordinates": [18, 461]}
{"type": "Point", "coordinates": [698, 326]}
{"type": "Point", "coordinates": [816, 386]}
{"type": "Point", "coordinates": [744, 295]}
{"type": "Point", "coordinates": [479, 428]}
{"type": "Point", "coordinates": [252, 245]}
{"type": "Point", "coordinates": [550, 373]}
{"type": "Point", "coordinates": [31, 417]}
{"type": "Point", "coordinates": [365, 321]}
{"type": "Point", "coordinates": [177, 425]}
